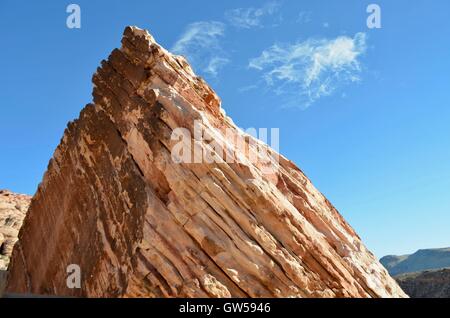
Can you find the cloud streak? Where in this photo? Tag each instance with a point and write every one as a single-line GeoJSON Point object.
{"type": "Point", "coordinates": [200, 44]}
{"type": "Point", "coordinates": [215, 64]}
{"type": "Point", "coordinates": [246, 18]}
{"type": "Point", "coordinates": [306, 71]}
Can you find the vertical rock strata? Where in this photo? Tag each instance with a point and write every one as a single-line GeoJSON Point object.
{"type": "Point", "coordinates": [139, 224]}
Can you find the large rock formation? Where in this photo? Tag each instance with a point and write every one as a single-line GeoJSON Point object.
{"type": "Point", "coordinates": [118, 203]}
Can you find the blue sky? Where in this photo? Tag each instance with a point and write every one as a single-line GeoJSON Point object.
{"type": "Point", "coordinates": [363, 112]}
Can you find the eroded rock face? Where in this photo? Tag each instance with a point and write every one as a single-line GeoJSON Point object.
{"type": "Point", "coordinates": [13, 208]}
{"type": "Point", "coordinates": [115, 202]}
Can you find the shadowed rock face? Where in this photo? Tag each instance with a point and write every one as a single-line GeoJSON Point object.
{"type": "Point", "coordinates": [426, 284]}
{"type": "Point", "coordinates": [114, 202]}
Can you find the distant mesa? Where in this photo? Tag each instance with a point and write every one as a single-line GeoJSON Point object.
{"type": "Point", "coordinates": [13, 208]}
{"type": "Point", "coordinates": [425, 259]}
{"type": "Point", "coordinates": [424, 274]}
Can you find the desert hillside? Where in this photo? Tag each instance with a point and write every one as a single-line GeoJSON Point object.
{"type": "Point", "coordinates": [426, 284]}
{"type": "Point", "coordinates": [425, 259]}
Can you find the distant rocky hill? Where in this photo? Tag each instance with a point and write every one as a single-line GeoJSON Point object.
{"type": "Point", "coordinates": [12, 212]}
{"type": "Point", "coordinates": [426, 284]}
{"type": "Point", "coordinates": [422, 260]}
{"type": "Point", "coordinates": [13, 208]}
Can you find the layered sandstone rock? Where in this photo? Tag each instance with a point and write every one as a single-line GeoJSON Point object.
{"type": "Point", "coordinates": [138, 222]}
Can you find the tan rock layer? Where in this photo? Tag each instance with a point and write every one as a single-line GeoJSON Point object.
{"type": "Point", "coordinates": [138, 224]}
{"type": "Point", "coordinates": [13, 208]}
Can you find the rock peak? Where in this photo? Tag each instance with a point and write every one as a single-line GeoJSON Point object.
{"type": "Point", "coordinates": [140, 222]}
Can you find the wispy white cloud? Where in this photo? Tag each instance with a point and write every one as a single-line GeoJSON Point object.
{"type": "Point", "coordinates": [200, 44]}
{"type": "Point", "coordinates": [306, 71]}
{"type": "Point", "coordinates": [215, 64]}
{"type": "Point", "coordinates": [247, 18]}
{"type": "Point", "coordinates": [247, 88]}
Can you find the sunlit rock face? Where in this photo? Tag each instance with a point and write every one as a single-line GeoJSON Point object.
{"type": "Point", "coordinates": [13, 208]}
{"type": "Point", "coordinates": [139, 223]}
